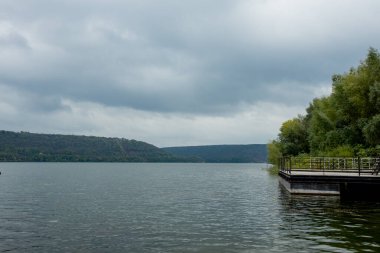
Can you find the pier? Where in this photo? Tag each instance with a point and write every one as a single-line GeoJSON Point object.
{"type": "Point", "coordinates": [349, 177]}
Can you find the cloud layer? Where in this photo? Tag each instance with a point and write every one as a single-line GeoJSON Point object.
{"type": "Point", "coordinates": [174, 72]}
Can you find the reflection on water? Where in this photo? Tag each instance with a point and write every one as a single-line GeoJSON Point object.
{"type": "Point", "coordinates": [326, 223]}
{"type": "Point", "coordinates": [172, 208]}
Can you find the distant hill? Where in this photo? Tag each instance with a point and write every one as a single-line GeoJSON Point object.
{"type": "Point", "coordinates": [26, 147]}
{"type": "Point", "coordinates": [253, 153]}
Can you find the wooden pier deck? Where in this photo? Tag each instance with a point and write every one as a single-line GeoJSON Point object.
{"type": "Point", "coordinates": [348, 177]}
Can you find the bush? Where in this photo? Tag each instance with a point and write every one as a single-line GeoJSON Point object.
{"type": "Point", "coordinates": [341, 151]}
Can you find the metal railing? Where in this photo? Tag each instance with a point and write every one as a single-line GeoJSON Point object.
{"type": "Point", "coordinates": [360, 165]}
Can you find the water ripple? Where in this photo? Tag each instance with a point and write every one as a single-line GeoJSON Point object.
{"type": "Point", "coordinates": [172, 208]}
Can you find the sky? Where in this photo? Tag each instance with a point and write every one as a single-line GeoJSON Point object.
{"type": "Point", "coordinates": [171, 72]}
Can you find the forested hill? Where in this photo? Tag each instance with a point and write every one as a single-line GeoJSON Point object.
{"type": "Point", "coordinates": [223, 153]}
{"type": "Point", "coordinates": [25, 147]}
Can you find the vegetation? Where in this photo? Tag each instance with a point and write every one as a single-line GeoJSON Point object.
{"type": "Point", "coordinates": [29, 147]}
{"type": "Point", "coordinates": [346, 123]}
{"type": "Point", "coordinates": [254, 153]}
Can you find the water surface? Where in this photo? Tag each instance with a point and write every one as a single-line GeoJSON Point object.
{"type": "Point", "coordinates": [124, 207]}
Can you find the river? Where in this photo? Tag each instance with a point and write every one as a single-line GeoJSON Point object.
{"type": "Point", "coordinates": [149, 207]}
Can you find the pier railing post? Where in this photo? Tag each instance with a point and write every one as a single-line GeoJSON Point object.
{"type": "Point", "coordinates": [323, 165]}
{"type": "Point", "coordinates": [359, 163]}
{"type": "Point", "coordinates": [282, 165]}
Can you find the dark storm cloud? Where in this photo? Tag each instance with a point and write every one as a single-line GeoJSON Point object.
{"type": "Point", "coordinates": [201, 57]}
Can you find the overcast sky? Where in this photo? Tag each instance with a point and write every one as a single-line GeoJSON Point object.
{"type": "Point", "coordinates": [174, 72]}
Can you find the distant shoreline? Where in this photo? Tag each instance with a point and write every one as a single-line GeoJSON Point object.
{"type": "Point", "coordinates": [31, 147]}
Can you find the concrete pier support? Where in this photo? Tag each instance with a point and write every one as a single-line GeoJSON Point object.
{"type": "Point", "coordinates": [347, 186]}
{"type": "Point", "coordinates": [320, 188]}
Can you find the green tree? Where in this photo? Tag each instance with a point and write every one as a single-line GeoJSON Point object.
{"type": "Point", "coordinates": [322, 121]}
{"type": "Point", "coordinates": [355, 93]}
{"type": "Point", "coordinates": [371, 131]}
{"type": "Point", "coordinates": [274, 152]}
{"type": "Point", "coordinates": [293, 137]}
{"type": "Point", "coordinates": [374, 97]}
{"type": "Point", "coordinates": [345, 123]}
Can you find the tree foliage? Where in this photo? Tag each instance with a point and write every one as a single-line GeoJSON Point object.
{"type": "Point", "coordinates": [293, 137]}
{"type": "Point", "coordinates": [274, 152]}
{"type": "Point", "coordinates": [371, 131]}
{"type": "Point", "coordinates": [252, 153]}
{"type": "Point", "coordinates": [345, 123]}
{"type": "Point", "coordinates": [29, 147]}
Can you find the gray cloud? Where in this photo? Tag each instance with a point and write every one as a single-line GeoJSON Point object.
{"type": "Point", "coordinates": [195, 58]}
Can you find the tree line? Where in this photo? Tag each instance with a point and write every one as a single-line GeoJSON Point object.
{"type": "Point", "coordinates": [345, 123]}
{"type": "Point", "coordinates": [30, 147]}
{"type": "Point", "coordinates": [251, 153]}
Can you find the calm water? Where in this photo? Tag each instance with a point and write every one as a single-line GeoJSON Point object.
{"type": "Point", "coordinates": [86, 207]}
